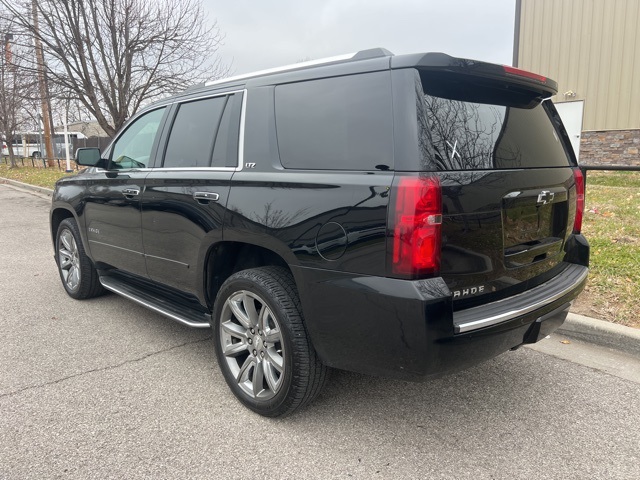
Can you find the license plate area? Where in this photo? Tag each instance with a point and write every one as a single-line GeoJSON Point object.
{"type": "Point", "coordinates": [534, 224]}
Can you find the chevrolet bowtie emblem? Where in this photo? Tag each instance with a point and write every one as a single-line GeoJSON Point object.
{"type": "Point", "coordinates": [545, 197]}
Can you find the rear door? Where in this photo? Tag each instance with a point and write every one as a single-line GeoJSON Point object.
{"type": "Point", "coordinates": [509, 195]}
{"type": "Point", "coordinates": [185, 197]}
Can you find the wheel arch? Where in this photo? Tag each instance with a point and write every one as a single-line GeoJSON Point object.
{"type": "Point", "coordinates": [61, 212]}
{"type": "Point", "coordinates": [58, 214]}
{"type": "Point", "coordinates": [228, 257]}
{"type": "Point", "coordinates": [87, 283]}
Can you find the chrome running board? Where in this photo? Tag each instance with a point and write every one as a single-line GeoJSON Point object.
{"type": "Point", "coordinates": [179, 313]}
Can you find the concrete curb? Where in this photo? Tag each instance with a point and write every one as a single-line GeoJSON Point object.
{"type": "Point", "coordinates": [599, 332]}
{"type": "Point", "coordinates": [26, 186]}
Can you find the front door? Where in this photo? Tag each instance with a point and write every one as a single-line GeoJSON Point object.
{"type": "Point", "coordinates": [112, 209]}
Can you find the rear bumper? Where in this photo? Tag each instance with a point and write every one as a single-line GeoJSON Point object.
{"type": "Point", "coordinates": [520, 305]}
{"type": "Point", "coordinates": [408, 329]}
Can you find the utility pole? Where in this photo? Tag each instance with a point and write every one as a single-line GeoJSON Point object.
{"type": "Point", "coordinates": [44, 91]}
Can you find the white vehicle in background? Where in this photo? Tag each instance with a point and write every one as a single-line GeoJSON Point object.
{"type": "Point", "coordinates": [27, 144]}
{"type": "Point", "coordinates": [24, 145]}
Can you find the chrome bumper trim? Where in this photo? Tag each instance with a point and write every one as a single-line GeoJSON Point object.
{"type": "Point", "coordinates": [521, 304]}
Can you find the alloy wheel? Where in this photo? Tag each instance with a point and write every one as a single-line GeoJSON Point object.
{"type": "Point", "coordinates": [69, 261]}
{"type": "Point", "coordinates": [252, 345]}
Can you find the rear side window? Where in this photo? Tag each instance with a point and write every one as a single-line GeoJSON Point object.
{"type": "Point", "coordinates": [194, 132]}
{"type": "Point", "coordinates": [342, 123]}
{"type": "Point", "coordinates": [491, 133]}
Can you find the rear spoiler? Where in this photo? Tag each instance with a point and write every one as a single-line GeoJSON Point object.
{"type": "Point", "coordinates": [443, 63]}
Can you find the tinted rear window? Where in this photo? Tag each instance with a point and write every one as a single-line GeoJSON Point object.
{"type": "Point", "coordinates": [493, 133]}
{"type": "Point", "coordinates": [341, 123]}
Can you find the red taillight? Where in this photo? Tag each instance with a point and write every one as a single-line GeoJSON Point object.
{"type": "Point", "coordinates": [417, 225]}
{"type": "Point", "coordinates": [524, 73]}
{"type": "Point", "coordinates": [579, 179]}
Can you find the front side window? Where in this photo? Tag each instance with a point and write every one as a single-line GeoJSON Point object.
{"type": "Point", "coordinates": [133, 148]}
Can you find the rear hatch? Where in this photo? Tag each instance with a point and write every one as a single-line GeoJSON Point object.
{"type": "Point", "coordinates": [507, 176]}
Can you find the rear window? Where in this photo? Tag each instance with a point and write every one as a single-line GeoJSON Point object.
{"type": "Point", "coordinates": [496, 130]}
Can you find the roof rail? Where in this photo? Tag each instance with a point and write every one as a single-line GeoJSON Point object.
{"type": "Point", "coordinates": [193, 87]}
{"type": "Point", "coordinates": [361, 55]}
{"type": "Point", "coordinates": [372, 53]}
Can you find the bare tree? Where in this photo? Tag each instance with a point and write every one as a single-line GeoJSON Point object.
{"type": "Point", "coordinates": [17, 93]}
{"type": "Point", "coordinates": [115, 55]}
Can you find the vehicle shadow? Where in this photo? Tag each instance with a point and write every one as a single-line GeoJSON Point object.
{"type": "Point", "coordinates": [501, 385]}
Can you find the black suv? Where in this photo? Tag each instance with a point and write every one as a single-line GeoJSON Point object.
{"type": "Point", "coordinates": [401, 215]}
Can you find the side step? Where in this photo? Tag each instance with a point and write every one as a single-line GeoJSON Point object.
{"type": "Point", "coordinates": [179, 313]}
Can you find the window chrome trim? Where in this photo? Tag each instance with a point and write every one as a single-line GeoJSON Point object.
{"type": "Point", "coordinates": [243, 116]}
{"type": "Point", "coordinates": [124, 170]}
{"type": "Point", "coordinates": [146, 110]}
{"type": "Point", "coordinates": [237, 168]}
{"type": "Point", "coordinates": [205, 96]}
{"type": "Point", "coordinates": [194, 169]}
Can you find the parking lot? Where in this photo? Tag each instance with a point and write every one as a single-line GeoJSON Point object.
{"type": "Point", "coordinates": [107, 389]}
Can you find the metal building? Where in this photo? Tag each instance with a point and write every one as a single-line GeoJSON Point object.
{"type": "Point", "coordinates": [592, 49]}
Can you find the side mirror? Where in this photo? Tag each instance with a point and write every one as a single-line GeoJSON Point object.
{"type": "Point", "coordinates": [89, 157]}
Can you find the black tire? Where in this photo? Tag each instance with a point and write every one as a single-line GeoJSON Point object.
{"type": "Point", "coordinates": [250, 352]}
{"type": "Point", "coordinates": [79, 276]}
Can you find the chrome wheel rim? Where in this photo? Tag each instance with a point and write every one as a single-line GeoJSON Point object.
{"type": "Point", "coordinates": [252, 346]}
{"type": "Point", "coordinates": [69, 261]}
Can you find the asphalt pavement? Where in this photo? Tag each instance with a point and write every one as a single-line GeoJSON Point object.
{"type": "Point", "coordinates": [107, 389]}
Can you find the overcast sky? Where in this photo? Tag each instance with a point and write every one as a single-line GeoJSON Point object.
{"type": "Point", "coordinates": [264, 34]}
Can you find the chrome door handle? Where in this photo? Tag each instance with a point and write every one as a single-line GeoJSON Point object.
{"type": "Point", "coordinates": [205, 197]}
{"type": "Point", "coordinates": [130, 192]}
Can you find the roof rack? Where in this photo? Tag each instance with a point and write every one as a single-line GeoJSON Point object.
{"type": "Point", "coordinates": [361, 55]}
